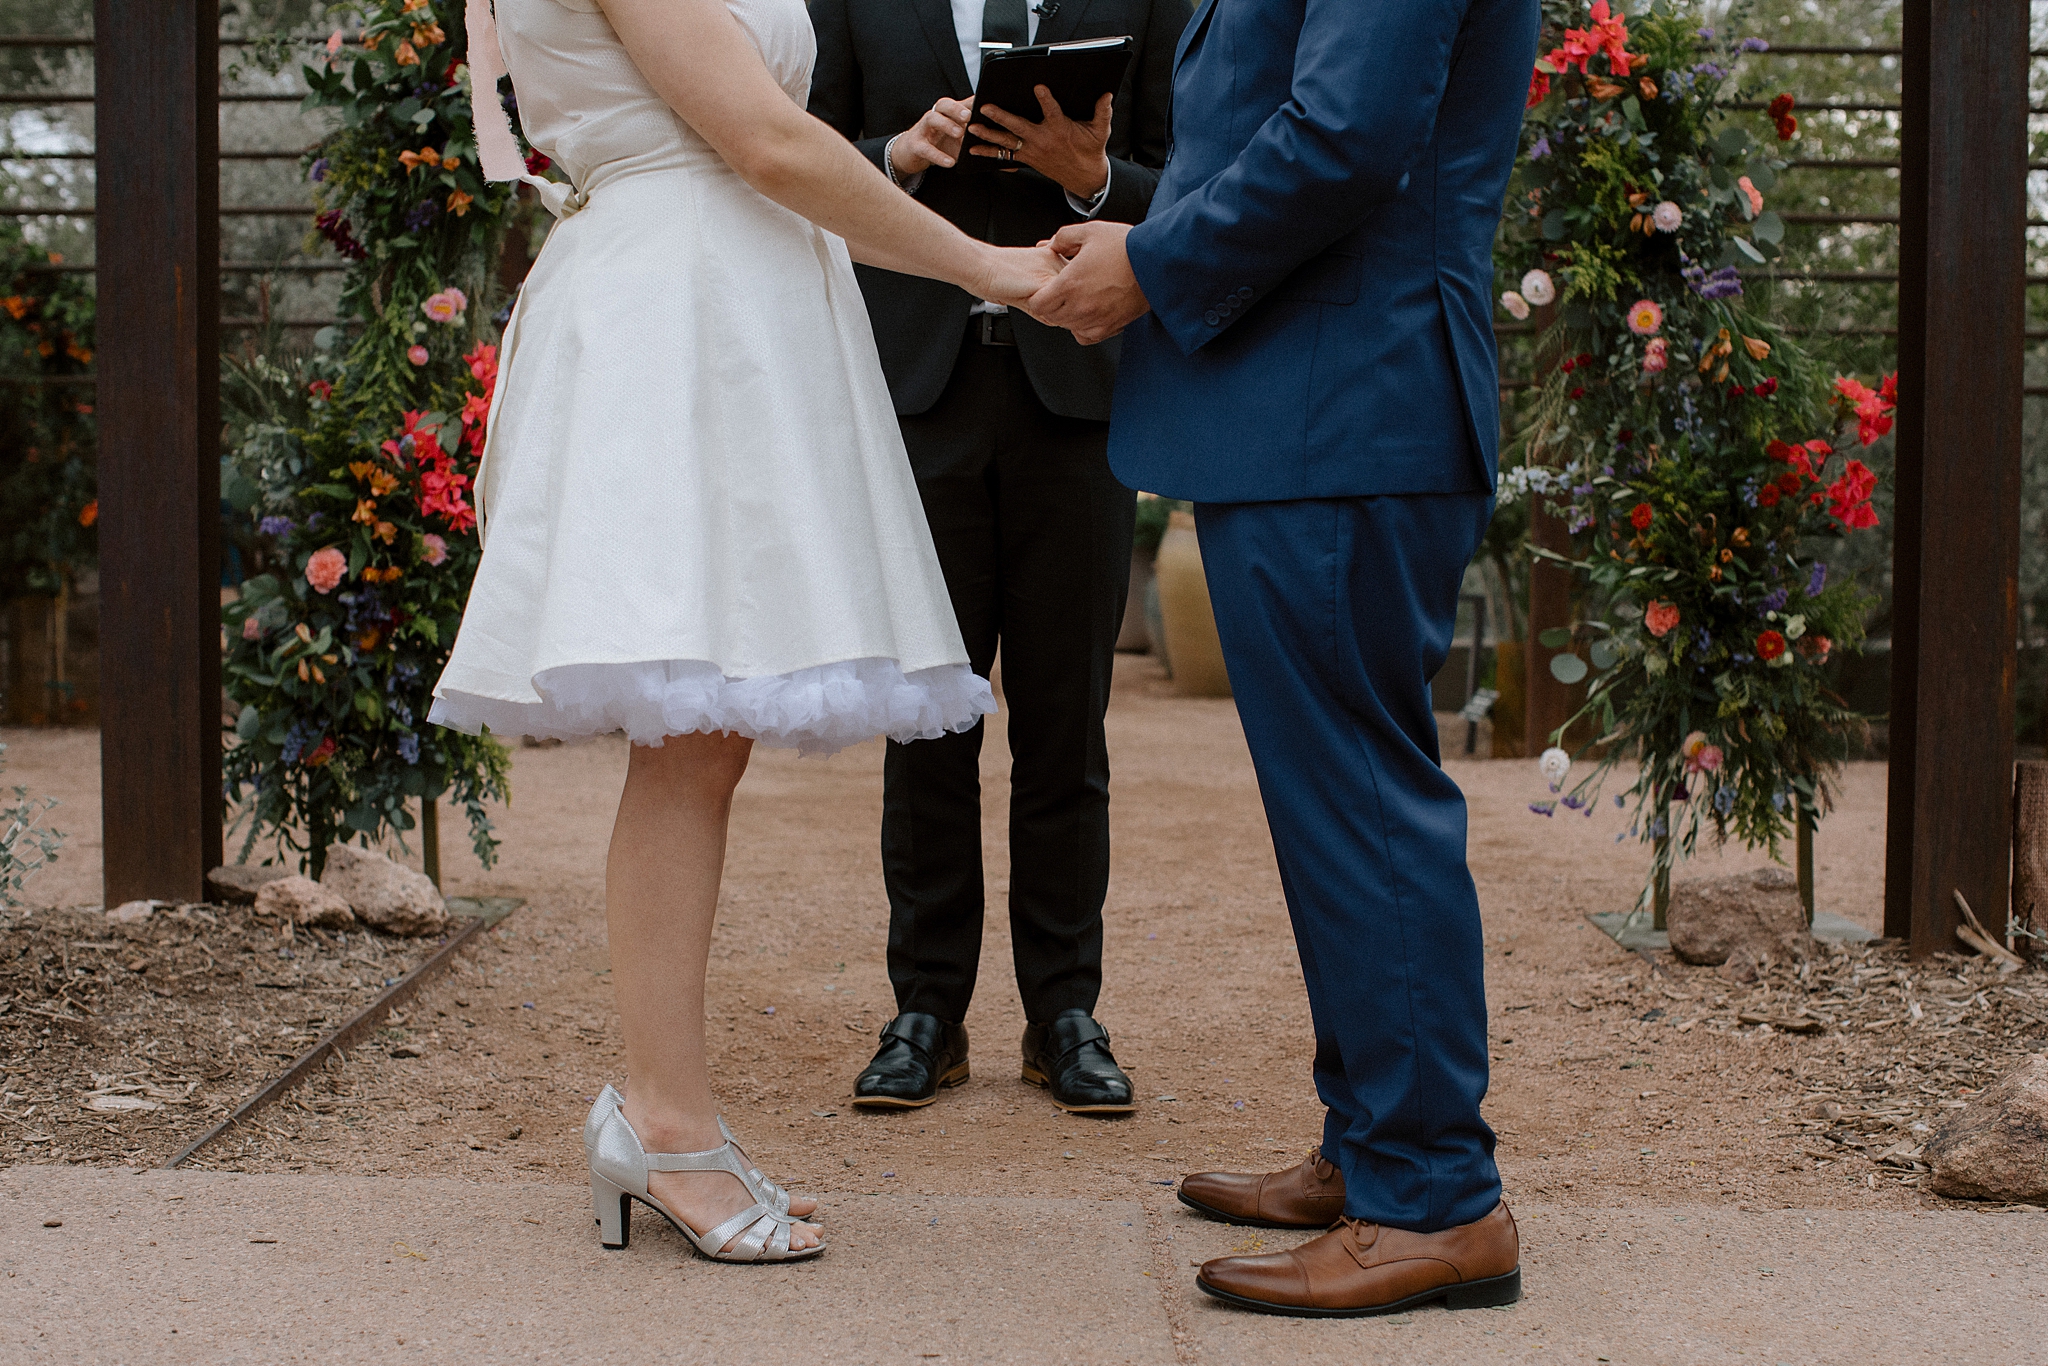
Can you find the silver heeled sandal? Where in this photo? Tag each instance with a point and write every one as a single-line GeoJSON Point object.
{"type": "Point", "coordinates": [761, 1187]}
{"type": "Point", "coordinates": [618, 1176]}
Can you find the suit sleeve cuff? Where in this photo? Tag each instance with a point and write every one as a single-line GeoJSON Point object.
{"type": "Point", "coordinates": [1089, 208]}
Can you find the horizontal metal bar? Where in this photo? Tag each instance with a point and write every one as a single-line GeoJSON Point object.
{"type": "Point", "coordinates": [1842, 164]}
{"type": "Point", "coordinates": [278, 155]}
{"type": "Point", "coordinates": [1821, 108]}
{"type": "Point", "coordinates": [82, 40]}
{"type": "Point", "coordinates": [1806, 50]}
{"type": "Point", "coordinates": [1874, 218]}
{"type": "Point", "coordinates": [287, 322]}
{"type": "Point", "coordinates": [82, 97]}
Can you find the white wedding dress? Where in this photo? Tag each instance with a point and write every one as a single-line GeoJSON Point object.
{"type": "Point", "coordinates": [698, 514]}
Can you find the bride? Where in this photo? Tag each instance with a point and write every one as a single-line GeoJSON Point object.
{"type": "Point", "coordinates": [700, 525]}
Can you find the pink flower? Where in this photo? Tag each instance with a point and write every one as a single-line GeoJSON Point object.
{"type": "Point", "coordinates": [252, 629]}
{"type": "Point", "coordinates": [1699, 756]}
{"type": "Point", "coordinates": [1656, 356]}
{"type": "Point", "coordinates": [334, 41]}
{"type": "Point", "coordinates": [1756, 197]}
{"type": "Point", "coordinates": [326, 568]}
{"type": "Point", "coordinates": [1660, 617]}
{"type": "Point", "coordinates": [1645, 317]}
{"type": "Point", "coordinates": [1667, 216]}
{"type": "Point", "coordinates": [446, 306]}
{"type": "Point", "coordinates": [433, 549]}
{"type": "Point", "coordinates": [417, 355]}
{"type": "Point", "coordinates": [1517, 307]}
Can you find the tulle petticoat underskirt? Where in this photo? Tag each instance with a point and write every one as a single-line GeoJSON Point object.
{"type": "Point", "coordinates": [817, 711]}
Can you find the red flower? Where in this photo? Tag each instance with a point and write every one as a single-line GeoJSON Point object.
{"type": "Point", "coordinates": [1790, 481]}
{"type": "Point", "coordinates": [321, 390]}
{"type": "Point", "coordinates": [536, 163]}
{"type": "Point", "coordinates": [1737, 391]}
{"type": "Point", "coordinates": [1641, 516]}
{"type": "Point", "coordinates": [1609, 34]}
{"type": "Point", "coordinates": [1781, 106]}
{"type": "Point", "coordinates": [1873, 408]}
{"type": "Point", "coordinates": [1767, 386]}
{"type": "Point", "coordinates": [1769, 646]}
{"type": "Point", "coordinates": [1660, 617]}
{"type": "Point", "coordinates": [1539, 90]}
{"type": "Point", "coordinates": [1579, 392]}
{"type": "Point", "coordinates": [322, 754]}
{"type": "Point", "coordinates": [1788, 128]}
{"type": "Point", "coordinates": [1768, 496]}
{"type": "Point", "coordinates": [1780, 452]}
{"type": "Point", "coordinates": [1849, 497]}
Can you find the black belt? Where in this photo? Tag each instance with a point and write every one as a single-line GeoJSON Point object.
{"type": "Point", "coordinates": [996, 329]}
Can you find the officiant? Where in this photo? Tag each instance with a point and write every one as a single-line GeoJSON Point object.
{"type": "Point", "coordinates": [1006, 422]}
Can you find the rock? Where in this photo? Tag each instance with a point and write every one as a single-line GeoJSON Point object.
{"type": "Point", "coordinates": [405, 1050]}
{"type": "Point", "coordinates": [131, 913]}
{"type": "Point", "coordinates": [1996, 1146]}
{"type": "Point", "coordinates": [304, 902]}
{"type": "Point", "coordinates": [395, 899]}
{"type": "Point", "coordinates": [237, 883]}
{"type": "Point", "coordinates": [1744, 921]}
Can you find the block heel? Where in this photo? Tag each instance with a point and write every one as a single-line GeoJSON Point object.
{"type": "Point", "coordinates": [1490, 1293]}
{"type": "Point", "coordinates": [614, 1209]}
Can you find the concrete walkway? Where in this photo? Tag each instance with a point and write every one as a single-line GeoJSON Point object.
{"type": "Point", "coordinates": [151, 1266]}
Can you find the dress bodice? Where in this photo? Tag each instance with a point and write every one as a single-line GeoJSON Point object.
{"type": "Point", "coordinates": [585, 104]}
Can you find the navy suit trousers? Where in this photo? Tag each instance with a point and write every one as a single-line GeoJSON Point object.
{"type": "Point", "coordinates": [1334, 615]}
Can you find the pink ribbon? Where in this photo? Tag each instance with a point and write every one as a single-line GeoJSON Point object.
{"type": "Point", "coordinates": [497, 149]}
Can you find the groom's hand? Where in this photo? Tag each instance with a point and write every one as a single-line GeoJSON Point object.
{"type": "Point", "coordinates": [1097, 295]}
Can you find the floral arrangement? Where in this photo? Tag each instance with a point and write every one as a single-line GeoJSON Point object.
{"type": "Point", "coordinates": [1687, 444]}
{"type": "Point", "coordinates": [359, 461]}
{"type": "Point", "coordinates": [48, 486]}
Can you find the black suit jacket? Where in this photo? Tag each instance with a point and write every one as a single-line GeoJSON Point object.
{"type": "Point", "coordinates": [881, 65]}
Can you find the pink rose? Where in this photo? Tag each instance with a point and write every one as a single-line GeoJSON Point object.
{"type": "Point", "coordinates": [1660, 617]}
{"type": "Point", "coordinates": [251, 628]}
{"type": "Point", "coordinates": [433, 549]}
{"type": "Point", "coordinates": [1656, 356]}
{"type": "Point", "coordinates": [326, 568]}
{"type": "Point", "coordinates": [417, 355]}
{"type": "Point", "coordinates": [1754, 195]}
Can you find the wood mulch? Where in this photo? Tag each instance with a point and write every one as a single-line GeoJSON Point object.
{"type": "Point", "coordinates": [121, 1042]}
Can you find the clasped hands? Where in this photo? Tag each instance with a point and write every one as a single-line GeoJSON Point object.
{"type": "Point", "coordinates": [1081, 278]}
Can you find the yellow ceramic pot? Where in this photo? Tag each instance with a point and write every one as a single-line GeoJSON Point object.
{"type": "Point", "coordinates": [1184, 609]}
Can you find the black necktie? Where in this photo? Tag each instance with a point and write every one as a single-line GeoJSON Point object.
{"type": "Point", "coordinates": [1003, 21]}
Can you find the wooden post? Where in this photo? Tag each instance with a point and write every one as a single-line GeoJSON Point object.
{"type": "Point", "coordinates": [1802, 844]}
{"type": "Point", "coordinates": [1962, 281]}
{"type": "Point", "coordinates": [1660, 877]}
{"type": "Point", "coordinates": [156, 75]}
{"type": "Point", "coordinates": [2029, 853]}
{"type": "Point", "coordinates": [430, 838]}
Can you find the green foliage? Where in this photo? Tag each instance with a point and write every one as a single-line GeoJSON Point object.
{"type": "Point", "coordinates": [24, 844]}
{"type": "Point", "coordinates": [48, 503]}
{"type": "Point", "coordinates": [1680, 433]}
{"type": "Point", "coordinates": [354, 464]}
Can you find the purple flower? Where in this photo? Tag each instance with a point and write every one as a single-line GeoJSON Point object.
{"type": "Point", "coordinates": [1753, 45]}
{"type": "Point", "coordinates": [1711, 71]}
{"type": "Point", "coordinates": [275, 526]}
{"type": "Point", "coordinates": [1817, 580]}
{"type": "Point", "coordinates": [318, 172]}
{"type": "Point", "coordinates": [1724, 283]}
{"type": "Point", "coordinates": [1541, 149]}
{"type": "Point", "coordinates": [422, 215]}
{"type": "Point", "coordinates": [1619, 801]}
{"type": "Point", "coordinates": [1544, 808]}
{"type": "Point", "coordinates": [409, 747]}
{"type": "Point", "coordinates": [1706, 35]}
{"type": "Point", "coordinates": [1724, 800]}
{"type": "Point", "coordinates": [1774, 601]}
{"type": "Point", "coordinates": [1574, 802]}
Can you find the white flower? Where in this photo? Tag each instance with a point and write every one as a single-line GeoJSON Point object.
{"type": "Point", "coordinates": [1516, 305]}
{"type": "Point", "coordinates": [1555, 765]}
{"type": "Point", "coordinates": [1667, 216]}
{"type": "Point", "coordinates": [1538, 288]}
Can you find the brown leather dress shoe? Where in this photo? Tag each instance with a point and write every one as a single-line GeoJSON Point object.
{"type": "Point", "coordinates": [1307, 1196]}
{"type": "Point", "coordinates": [1359, 1268]}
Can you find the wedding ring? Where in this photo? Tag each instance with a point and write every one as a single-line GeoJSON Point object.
{"type": "Point", "coordinates": [1007, 153]}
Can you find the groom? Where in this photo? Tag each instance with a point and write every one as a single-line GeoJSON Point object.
{"type": "Point", "coordinates": [1310, 359]}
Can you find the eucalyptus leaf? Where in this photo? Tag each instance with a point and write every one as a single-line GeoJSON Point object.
{"type": "Point", "coordinates": [1557, 637]}
{"type": "Point", "coordinates": [1768, 227]}
{"type": "Point", "coordinates": [1567, 669]}
{"type": "Point", "coordinates": [1732, 143]}
{"type": "Point", "coordinates": [1747, 248]}
{"type": "Point", "coordinates": [1554, 226]}
{"type": "Point", "coordinates": [1722, 177]}
{"type": "Point", "coordinates": [1762, 176]}
{"type": "Point", "coordinates": [1605, 653]}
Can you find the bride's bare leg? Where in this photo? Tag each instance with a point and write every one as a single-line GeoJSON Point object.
{"type": "Point", "coordinates": [661, 901]}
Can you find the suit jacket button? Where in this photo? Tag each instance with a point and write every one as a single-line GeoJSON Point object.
{"type": "Point", "coordinates": [1213, 318]}
{"type": "Point", "coordinates": [1245, 295]}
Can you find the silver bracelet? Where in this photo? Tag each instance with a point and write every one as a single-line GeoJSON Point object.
{"type": "Point", "coordinates": [889, 162]}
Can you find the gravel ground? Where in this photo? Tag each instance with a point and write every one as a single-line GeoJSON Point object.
{"type": "Point", "coordinates": [1621, 1080]}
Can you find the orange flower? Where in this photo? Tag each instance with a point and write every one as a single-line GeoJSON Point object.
{"type": "Point", "coordinates": [16, 306]}
{"type": "Point", "coordinates": [366, 511]}
{"type": "Point", "coordinates": [406, 55]}
{"type": "Point", "coordinates": [385, 532]}
{"type": "Point", "coordinates": [367, 641]}
{"type": "Point", "coordinates": [372, 41]}
{"type": "Point", "coordinates": [428, 34]}
{"type": "Point", "coordinates": [1660, 617]}
{"type": "Point", "coordinates": [425, 156]}
{"type": "Point", "coordinates": [459, 202]}
{"type": "Point", "coordinates": [1603, 90]}
{"type": "Point", "coordinates": [90, 513]}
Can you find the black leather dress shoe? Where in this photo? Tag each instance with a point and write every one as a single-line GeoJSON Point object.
{"type": "Point", "coordinates": [919, 1054]}
{"type": "Point", "coordinates": [1070, 1057]}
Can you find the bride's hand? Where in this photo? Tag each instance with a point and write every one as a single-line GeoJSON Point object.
{"type": "Point", "coordinates": [1013, 274]}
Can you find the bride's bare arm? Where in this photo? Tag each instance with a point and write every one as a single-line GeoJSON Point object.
{"type": "Point", "coordinates": [699, 59]}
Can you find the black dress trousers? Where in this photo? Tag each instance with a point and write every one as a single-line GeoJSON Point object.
{"type": "Point", "coordinates": [1034, 536]}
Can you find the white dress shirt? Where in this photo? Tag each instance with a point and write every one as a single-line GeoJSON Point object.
{"type": "Point", "coordinates": [967, 15]}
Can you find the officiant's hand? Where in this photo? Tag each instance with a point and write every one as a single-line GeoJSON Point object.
{"type": "Point", "coordinates": [1069, 154]}
{"type": "Point", "coordinates": [933, 140]}
{"type": "Point", "coordinates": [1097, 295]}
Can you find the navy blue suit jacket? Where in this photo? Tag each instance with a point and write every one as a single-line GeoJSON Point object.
{"type": "Point", "coordinates": [1318, 254]}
